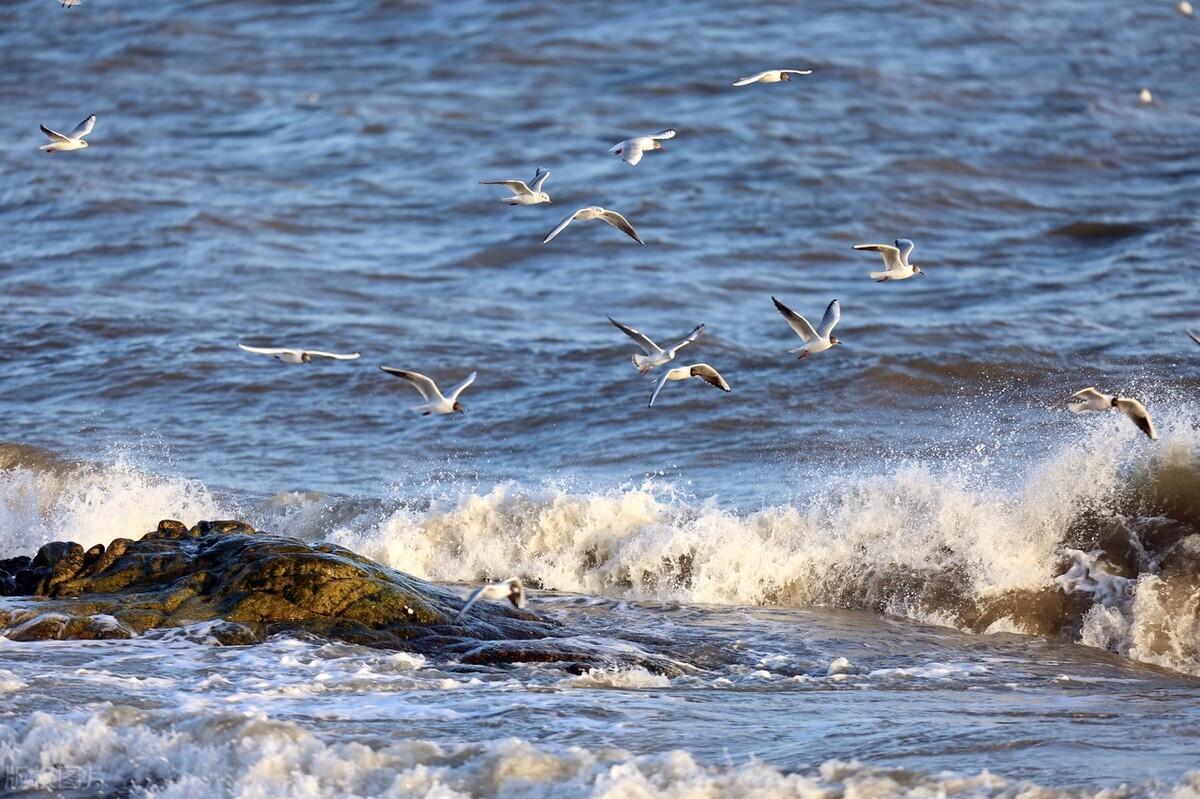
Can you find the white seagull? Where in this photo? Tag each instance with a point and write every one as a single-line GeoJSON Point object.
{"type": "Point", "coordinates": [1089, 399]}
{"type": "Point", "coordinates": [510, 589]}
{"type": "Point", "coordinates": [631, 150]}
{"type": "Point", "coordinates": [71, 141]}
{"type": "Point", "coordinates": [596, 212]}
{"type": "Point", "coordinates": [298, 356]}
{"type": "Point", "coordinates": [895, 260]}
{"type": "Point", "coordinates": [701, 370]}
{"type": "Point", "coordinates": [525, 193]}
{"type": "Point", "coordinates": [817, 340]}
{"type": "Point", "coordinates": [67, 3]}
{"type": "Point", "coordinates": [435, 402]}
{"type": "Point", "coordinates": [771, 76]}
{"type": "Point", "coordinates": [1185, 8]}
{"type": "Point", "coordinates": [655, 355]}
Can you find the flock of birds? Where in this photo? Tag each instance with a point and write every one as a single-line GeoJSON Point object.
{"type": "Point", "coordinates": [820, 338]}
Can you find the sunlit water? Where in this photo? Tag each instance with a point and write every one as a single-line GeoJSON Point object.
{"type": "Point", "coordinates": [305, 174]}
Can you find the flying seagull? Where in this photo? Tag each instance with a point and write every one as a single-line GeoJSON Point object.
{"type": "Point", "coordinates": [525, 193]}
{"type": "Point", "coordinates": [655, 355]}
{"type": "Point", "coordinates": [771, 76]}
{"type": "Point", "coordinates": [817, 340]}
{"type": "Point", "coordinates": [510, 589]}
{"type": "Point", "coordinates": [68, 3]}
{"type": "Point", "coordinates": [298, 356]}
{"type": "Point", "coordinates": [1195, 336]}
{"type": "Point", "coordinates": [1089, 399]}
{"type": "Point", "coordinates": [895, 260]}
{"type": "Point", "coordinates": [631, 150]}
{"type": "Point", "coordinates": [71, 141]}
{"type": "Point", "coordinates": [435, 402]}
{"type": "Point", "coordinates": [701, 370]}
{"type": "Point", "coordinates": [596, 212]}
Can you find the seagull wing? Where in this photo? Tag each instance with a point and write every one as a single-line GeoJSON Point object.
{"type": "Point", "coordinates": [1138, 413]}
{"type": "Point", "coordinates": [420, 382]}
{"type": "Point", "coordinates": [906, 247]}
{"type": "Point", "coordinates": [621, 224]}
{"type": "Point", "coordinates": [53, 135]}
{"type": "Point", "coordinates": [454, 392]}
{"type": "Point", "coordinates": [662, 381]}
{"type": "Point", "coordinates": [561, 226]}
{"type": "Point", "coordinates": [643, 341]}
{"type": "Point", "coordinates": [751, 78]}
{"type": "Point", "coordinates": [796, 71]}
{"type": "Point", "coordinates": [539, 178]}
{"type": "Point", "coordinates": [669, 133]}
{"type": "Point", "coordinates": [891, 255]}
{"type": "Point", "coordinates": [695, 334]}
{"type": "Point", "coordinates": [1195, 337]}
{"type": "Point", "coordinates": [710, 375]}
{"type": "Point", "coordinates": [833, 314]}
{"type": "Point", "coordinates": [266, 350]}
{"type": "Point", "coordinates": [797, 322]}
{"type": "Point", "coordinates": [516, 186]}
{"type": "Point", "coordinates": [1082, 398]}
{"type": "Point", "coordinates": [84, 127]}
{"type": "Point", "coordinates": [631, 151]}
{"type": "Point", "coordinates": [352, 356]}
{"type": "Point", "coordinates": [471, 600]}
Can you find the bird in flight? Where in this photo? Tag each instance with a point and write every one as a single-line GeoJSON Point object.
{"type": "Point", "coordinates": [510, 589]}
{"type": "Point", "coordinates": [895, 260]}
{"type": "Point", "coordinates": [701, 370]}
{"type": "Point", "coordinates": [70, 141]}
{"type": "Point", "coordinates": [631, 150]}
{"type": "Point", "coordinates": [817, 340]}
{"type": "Point", "coordinates": [1089, 399]}
{"type": "Point", "coordinates": [435, 401]}
{"type": "Point", "coordinates": [655, 355]}
{"type": "Point", "coordinates": [596, 212]}
{"type": "Point", "coordinates": [298, 356]}
{"type": "Point", "coordinates": [771, 76]}
{"type": "Point", "coordinates": [525, 193]}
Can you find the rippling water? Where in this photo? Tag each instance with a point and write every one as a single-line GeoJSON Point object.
{"type": "Point", "coordinates": [305, 174]}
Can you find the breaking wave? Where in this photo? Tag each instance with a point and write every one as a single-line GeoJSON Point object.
{"type": "Point", "coordinates": [1096, 543]}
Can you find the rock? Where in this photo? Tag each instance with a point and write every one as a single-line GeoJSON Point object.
{"type": "Point", "coordinates": [251, 584]}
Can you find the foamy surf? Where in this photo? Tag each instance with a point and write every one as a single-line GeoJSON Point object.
{"type": "Point", "coordinates": [234, 755]}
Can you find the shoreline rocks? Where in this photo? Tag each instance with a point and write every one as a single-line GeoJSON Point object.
{"type": "Point", "coordinates": [256, 584]}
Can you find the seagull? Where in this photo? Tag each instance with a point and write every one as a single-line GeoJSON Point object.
{"type": "Point", "coordinates": [525, 193]}
{"type": "Point", "coordinates": [596, 212]}
{"type": "Point", "coordinates": [1089, 399]}
{"type": "Point", "coordinates": [817, 340]}
{"type": "Point", "coordinates": [1185, 8]}
{"type": "Point", "coordinates": [655, 355]}
{"type": "Point", "coordinates": [435, 402]}
{"type": "Point", "coordinates": [631, 150]}
{"type": "Point", "coordinates": [510, 589]}
{"type": "Point", "coordinates": [701, 370]}
{"type": "Point", "coordinates": [1195, 336]}
{"type": "Point", "coordinates": [1145, 97]}
{"type": "Point", "coordinates": [72, 141]}
{"type": "Point", "coordinates": [771, 76]}
{"type": "Point", "coordinates": [298, 356]}
{"type": "Point", "coordinates": [66, 3]}
{"type": "Point", "coordinates": [895, 260]}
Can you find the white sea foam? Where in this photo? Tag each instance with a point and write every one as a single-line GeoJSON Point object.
{"type": "Point", "coordinates": [248, 755]}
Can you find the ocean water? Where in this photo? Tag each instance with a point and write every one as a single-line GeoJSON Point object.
{"type": "Point", "coordinates": [896, 568]}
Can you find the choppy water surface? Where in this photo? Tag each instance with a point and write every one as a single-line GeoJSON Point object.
{"type": "Point", "coordinates": [305, 174]}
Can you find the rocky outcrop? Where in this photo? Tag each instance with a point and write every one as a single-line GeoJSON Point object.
{"type": "Point", "coordinates": [255, 584]}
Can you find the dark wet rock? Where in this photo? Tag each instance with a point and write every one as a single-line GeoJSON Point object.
{"type": "Point", "coordinates": [255, 584]}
